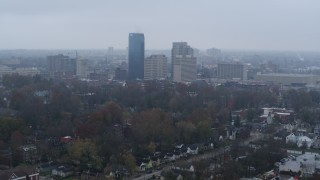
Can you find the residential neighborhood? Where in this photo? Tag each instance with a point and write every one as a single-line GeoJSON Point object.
{"type": "Point", "coordinates": [166, 142]}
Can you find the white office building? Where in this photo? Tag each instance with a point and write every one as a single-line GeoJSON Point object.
{"type": "Point", "coordinates": [82, 68]}
{"type": "Point", "coordinates": [155, 67]}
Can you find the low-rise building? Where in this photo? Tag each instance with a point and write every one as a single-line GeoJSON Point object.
{"type": "Point", "coordinates": [288, 79]}
{"type": "Point", "coordinates": [301, 141]}
{"type": "Point", "coordinates": [20, 173]}
{"type": "Point", "coordinates": [306, 164]}
{"type": "Point", "coordinates": [63, 171]}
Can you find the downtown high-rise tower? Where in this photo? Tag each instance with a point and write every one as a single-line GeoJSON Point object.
{"type": "Point", "coordinates": [136, 56]}
{"type": "Point", "coordinates": [184, 64]}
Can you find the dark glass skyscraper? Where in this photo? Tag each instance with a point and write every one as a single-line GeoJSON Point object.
{"type": "Point", "coordinates": [136, 56]}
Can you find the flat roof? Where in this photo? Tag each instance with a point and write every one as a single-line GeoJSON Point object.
{"type": "Point", "coordinates": [288, 75]}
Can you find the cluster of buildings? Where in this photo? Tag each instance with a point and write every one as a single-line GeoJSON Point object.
{"type": "Point", "coordinates": [23, 71]}
{"type": "Point", "coordinates": [64, 66]}
{"type": "Point", "coordinates": [180, 151]}
{"type": "Point", "coordinates": [153, 67]}
{"type": "Point", "coordinates": [184, 63]}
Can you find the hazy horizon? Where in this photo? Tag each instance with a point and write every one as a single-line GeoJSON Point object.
{"type": "Point", "coordinates": [250, 25]}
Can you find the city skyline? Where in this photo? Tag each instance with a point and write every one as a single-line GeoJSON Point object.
{"type": "Point", "coordinates": [246, 25]}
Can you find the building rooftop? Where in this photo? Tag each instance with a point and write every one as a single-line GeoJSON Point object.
{"type": "Point", "coordinates": [288, 75]}
{"type": "Point", "coordinates": [306, 164]}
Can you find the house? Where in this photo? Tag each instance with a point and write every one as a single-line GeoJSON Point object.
{"type": "Point", "coordinates": [316, 130]}
{"type": "Point", "coordinates": [184, 167]}
{"type": "Point", "coordinates": [144, 164]}
{"type": "Point", "coordinates": [304, 141]}
{"type": "Point", "coordinates": [210, 144]}
{"type": "Point", "coordinates": [233, 134]}
{"type": "Point", "coordinates": [180, 177]}
{"type": "Point", "coordinates": [115, 171]}
{"type": "Point", "coordinates": [177, 154]}
{"type": "Point", "coordinates": [170, 157]}
{"type": "Point", "coordinates": [47, 167]}
{"type": "Point", "coordinates": [193, 149]}
{"type": "Point", "coordinates": [63, 171]}
{"type": "Point", "coordinates": [291, 138]}
{"type": "Point", "coordinates": [280, 114]}
{"type": "Point", "coordinates": [280, 135]}
{"type": "Point", "coordinates": [155, 161]}
{"type": "Point", "coordinates": [269, 119]}
{"type": "Point", "coordinates": [255, 145]}
{"type": "Point", "coordinates": [316, 142]}
{"type": "Point", "coordinates": [20, 173]}
{"type": "Point", "coordinates": [301, 141]}
{"type": "Point", "coordinates": [179, 146]}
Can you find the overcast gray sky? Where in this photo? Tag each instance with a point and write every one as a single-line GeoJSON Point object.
{"type": "Point", "coordinates": [225, 24]}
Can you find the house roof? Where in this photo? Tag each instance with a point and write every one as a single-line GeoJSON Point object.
{"type": "Point", "coordinates": [304, 138]}
{"type": "Point", "coordinates": [17, 172]}
{"type": "Point", "coordinates": [184, 165]}
{"type": "Point", "coordinates": [65, 168]}
{"type": "Point", "coordinates": [282, 133]}
{"type": "Point", "coordinates": [29, 147]}
{"type": "Point", "coordinates": [48, 164]}
{"type": "Point", "coordinates": [291, 135]}
{"type": "Point", "coordinates": [179, 146]}
{"type": "Point", "coordinates": [307, 160]}
{"type": "Point", "coordinates": [193, 147]}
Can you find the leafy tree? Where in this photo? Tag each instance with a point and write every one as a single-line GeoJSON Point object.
{"type": "Point", "coordinates": [110, 114]}
{"type": "Point", "coordinates": [85, 152]}
{"type": "Point", "coordinates": [129, 161]}
{"type": "Point", "coordinates": [16, 139]}
{"type": "Point", "coordinates": [16, 81]}
{"type": "Point", "coordinates": [9, 125]}
{"type": "Point", "coordinates": [199, 115]}
{"type": "Point", "coordinates": [309, 115]}
{"type": "Point", "coordinates": [186, 131]}
{"type": "Point", "coordinates": [151, 147]}
{"type": "Point", "coordinates": [152, 125]}
{"type": "Point", "coordinates": [298, 99]}
{"type": "Point", "coordinates": [203, 131]}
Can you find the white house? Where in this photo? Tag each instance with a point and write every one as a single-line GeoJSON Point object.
{"type": "Point", "coordinates": [63, 171]}
{"type": "Point", "coordinates": [291, 138]}
{"type": "Point", "coordinates": [304, 141]}
{"type": "Point", "coordinates": [184, 167]}
{"type": "Point", "coordinates": [299, 140]}
{"type": "Point", "coordinates": [193, 149]}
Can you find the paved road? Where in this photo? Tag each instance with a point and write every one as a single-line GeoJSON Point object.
{"type": "Point", "coordinates": [147, 176]}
